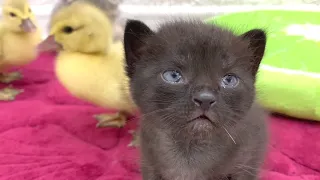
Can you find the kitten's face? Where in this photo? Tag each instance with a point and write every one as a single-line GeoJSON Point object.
{"type": "Point", "coordinates": [194, 78]}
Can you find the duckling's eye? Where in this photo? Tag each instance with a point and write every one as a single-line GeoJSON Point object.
{"type": "Point", "coordinates": [67, 29]}
{"type": "Point", "coordinates": [29, 10]}
{"type": "Point", "coordinates": [12, 14]}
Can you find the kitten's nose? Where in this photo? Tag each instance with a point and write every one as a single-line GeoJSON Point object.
{"type": "Point", "coordinates": [204, 99]}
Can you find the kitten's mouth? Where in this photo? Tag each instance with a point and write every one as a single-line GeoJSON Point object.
{"type": "Point", "coordinates": [201, 123]}
{"type": "Point", "coordinates": [202, 117]}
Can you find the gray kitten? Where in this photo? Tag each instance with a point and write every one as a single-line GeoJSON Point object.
{"type": "Point", "coordinates": [195, 86]}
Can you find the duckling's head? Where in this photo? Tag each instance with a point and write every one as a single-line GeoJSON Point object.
{"type": "Point", "coordinates": [18, 16]}
{"type": "Point", "coordinates": [79, 27]}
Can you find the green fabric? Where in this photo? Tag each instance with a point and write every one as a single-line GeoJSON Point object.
{"type": "Point", "coordinates": [289, 76]}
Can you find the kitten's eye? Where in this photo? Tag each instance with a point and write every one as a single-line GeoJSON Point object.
{"type": "Point", "coordinates": [172, 76]}
{"type": "Point", "coordinates": [12, 14]}
{"type": "Point", "coordinates": [67, 29]}
{"type": "Point", "coordinates": [230, 81]}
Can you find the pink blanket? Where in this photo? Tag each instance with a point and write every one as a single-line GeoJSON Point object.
{"type": "Point", "coordinates": [46, 134]}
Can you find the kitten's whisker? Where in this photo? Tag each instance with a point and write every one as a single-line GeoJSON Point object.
{"type": "Point", "coordinates": [151, 113]}
{"type": "Point", "coordinates": [230, 112]}
{"type": "Point", "coordinates": [247, 171]}
{"type": "Point", "coordinates": [227, 108]}
{"type": "Point", "coordinates": [155, 111]}
{"type": "Point", "coordinates": [246, 166]}
{"type": "Point", "coordinates": [167, 116]}
{"type": "Point", "coordinates": [231, 115]}
{"type": "Point", "coordinates": [232, 118]}
{"type": "Point", "coordinates": [229, 135]}
{"type": "Point", "coordinates": [164, 117]}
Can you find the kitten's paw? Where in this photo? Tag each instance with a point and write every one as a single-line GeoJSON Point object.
{"type": "Point", "coordinates": [111, 120]}
{"type": "Point", "coordinates": [9, 93]}
{"type": "Point", "coordinates": [10, 77]}
{"type": "Point", "coordinates": [135, 142]}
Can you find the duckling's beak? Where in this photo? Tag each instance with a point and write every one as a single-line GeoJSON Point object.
{"type": "Point", "coordinates": [27, 25]}
{"type": "Point", "coordinates": [49, 45]}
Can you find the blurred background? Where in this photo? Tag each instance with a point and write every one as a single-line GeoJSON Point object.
{"type": "Point", "coordinates": [154, 11]}
{"type": "Point", "coordinates": [198, 2]}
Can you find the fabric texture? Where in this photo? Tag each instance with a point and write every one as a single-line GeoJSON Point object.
{"type": "Point", "coordinates": [48, 135]}
{"type": "Point", "coordinates": [289, 76]}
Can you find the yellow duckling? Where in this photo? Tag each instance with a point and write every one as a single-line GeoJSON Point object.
{"type": "Point", "coordinates": [19, 38]}
{"type": "Point", "coordinates": [88, 64]}
{"type": "Point", "coordinates": [110, 8]}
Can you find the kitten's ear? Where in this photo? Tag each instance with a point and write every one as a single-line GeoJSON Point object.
{"type": "Point", "coordinates": [135, 34]}
{"type": "Point", "coordinates": [257, 42]}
